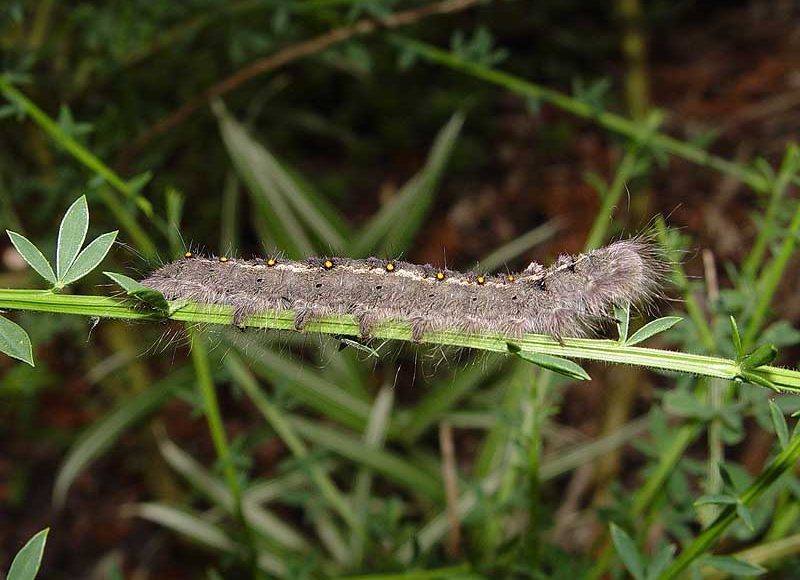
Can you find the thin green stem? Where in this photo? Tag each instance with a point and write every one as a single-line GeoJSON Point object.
{"type": "Point", "coordinates": [768, 230]}
{"type": "Point", "coordinates": [205, 384]}
{"type": "Point", "coordinates": [581, 348]}
{"type": "Point", "coordinates": [783, 462]}
{"type": "Point", "coordinates": [626, 170]}
{"type": "Point", "coordinates": [770, 280]}
{"type": "Point", "coordinates": [286, 432]}
{"type": "Point", "coordinates": [90, 161]}
{"type": "Point", "coordinates": [681, 281]}
{"type": "Point", "coordinates": [610, 121]}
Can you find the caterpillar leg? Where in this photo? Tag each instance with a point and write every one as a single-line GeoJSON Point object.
{"type": "Point", "coordinates": [366, 323]}
{"type": "Point", "coordinates": [419, 326]}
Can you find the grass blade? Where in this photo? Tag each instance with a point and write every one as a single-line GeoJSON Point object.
{"type": "Point", "coordinates": [248, 157]}
{"type": "Point", "coordinates": [392, 228]}
{"type": "Point", "coordinates": [100, 436]}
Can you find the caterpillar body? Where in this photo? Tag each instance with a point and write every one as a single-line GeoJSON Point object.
{"type": "Point", "coordinates": [574, 297]}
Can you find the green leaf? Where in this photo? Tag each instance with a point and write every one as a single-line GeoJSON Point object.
{"type": "Point", "coordinates": [14, 341]}
{"type": "Point", "coordinates": [726, 477]}
{"type": "Point", "coordinates": [627, 550]}
{"type": "Point", "coordinates": [623, 316]}
{"type": "Point", "coordinates": [779, 423]}
{"type": "Point", "coordinates": [137, 183]}
{"type": "Point", "coordinates": [734, 566]}
{"type": "Point", "coordinates": [684, 404]}
{"type": "Point", "coordinates": [761, 356]}
{"type": "Point", "coordinates": [90, 257]}
{"type": "Point", "coordinates": [744, 513]}
{"type": "Point", "coordinates": [652, 328]}
{"type": "Point", "coordinates": [758, 380]}
{"type": "Point", "coordinates": [660, 562]}
{"type": "Point", "coordinates": [556, 364]}
{"type": "Point", "coordinates": [720, 499]}
{"type": "Point", "coordinates": [27, 561]}
{"type": "Point", "coordinates": [71, 235]}
{"type": "Point", "coordinates": [102, 434]}
{"type": "Point", "coordinates": [737, 338]}
{"type": "Point", "coordinates": [273, 208]}
{"type": "Point", "coordinates": [33, 256]}
{"type": "Point", "coordinates": [392, 228]}
{"type": "Point", "coordinates": [153, 298]}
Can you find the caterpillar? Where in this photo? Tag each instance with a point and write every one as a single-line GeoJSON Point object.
{"type": "Point", "coordinates": [574, 297]}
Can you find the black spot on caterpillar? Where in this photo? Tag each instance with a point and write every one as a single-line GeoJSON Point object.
{"type": "Point", "coordinates": [574, 297]}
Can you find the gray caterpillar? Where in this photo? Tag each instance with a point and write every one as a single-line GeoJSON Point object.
{"type": "Point", "coordinates": [573, 297]}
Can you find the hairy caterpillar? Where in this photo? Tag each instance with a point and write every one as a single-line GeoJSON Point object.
{"type": "Point", "coordinates": [571, 298]}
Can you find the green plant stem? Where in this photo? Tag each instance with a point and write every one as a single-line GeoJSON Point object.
{"type": "Point", "coordinates": [89, 160]}
{"type": "Point", "coordinates": [623, 174]}
{"type": "Point", "coordinates": [770, 279]}
{"type": "Point", "coordinates": [208, 393]}
{"type": "Point", "coordinates": [582, 348]}
{"type": "Point", "coordinates": [610, 121]}
{"type": "Point", "coordinates": [681, 281]}
{"type": "Point", "coordinates": [768, 230]}
{"type": "Point", "coordinates": [286, 432]}
{"type": "Point", "coordinates": [782, 463]}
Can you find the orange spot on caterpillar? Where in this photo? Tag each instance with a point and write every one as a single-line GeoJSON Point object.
{"type": "Point", "coordinates": [328, 264]}
{"type": "Point", "coordinates": [510, 278]}
{"type": "Point", "coordinates": [223, 259]}
{"type": "Point", "coordinates": [390, 267]}
{"type": "Point", "coordinates": [188, 255]}
{"type": "Point", "coordinates": [271, 262]}
{"type": "Point", "coordinates": [481, 279]}
{"type": "Point", "coordinates": [440, 276]}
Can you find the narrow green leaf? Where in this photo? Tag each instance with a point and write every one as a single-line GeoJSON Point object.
{"type": "Point", "coordinates": [756, 379]}
{"type": "Point", "coordinates": [726, 477]}
{"type": "Point", "coordinates": [628, 552]}
{"type": "Point", "coordinates": [737, 338]}
{"type": "Point", "coordinates": [660, 562]}
{"type": "Point", "coordinates": [734, 566]}
{"type": "Point", "coordinates": [721, 499]}
{"type": "Point", "coordinates": [102, 434]}
{"type": "Point", "coordinates": [779, 424]}
{"type": "Point", "coordinates": [392, 228]}
{"type": "Point", "coordinates": [33, 256]}
{"type": "Point", "coordinates": [248, 157]}
{"type": "Point", "coordinates": [744, 513]}
{"type": "Point", "coordinates": [27, 561]}
{"type": "Point", "coordinates": [623, 316]}
{"type": "Point", "coordinates": [71, 235]}
{"type": "Point", "coordinates": [90, 257]}
{"type": "Point", "coordinates": [652, 328]}
{"type": "Point", "coordinates": [761, 356]}
{"type": "Point", "coordinates": [556, 364]}
{"type": "Point", "coordinates": [153, 298]}
{"type": "Point", "coordinates": [14, 341]}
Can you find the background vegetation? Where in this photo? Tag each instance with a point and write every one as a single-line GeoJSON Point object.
{"type": "Point", "coordinates": [471, 132]}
